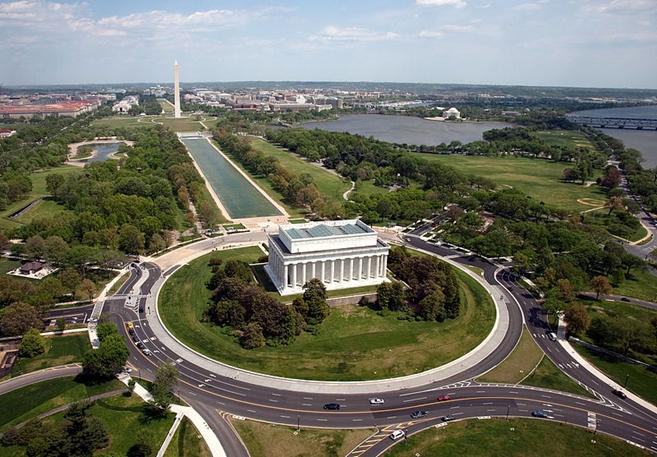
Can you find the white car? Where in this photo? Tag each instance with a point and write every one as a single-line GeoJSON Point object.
{"type": "Point", "coordinates": [376, 401]}
{"type": "Point", "coordinates": [397, 434]}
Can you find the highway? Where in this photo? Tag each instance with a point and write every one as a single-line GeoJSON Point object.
{"type": "Point", "coordinates": [212, 394]}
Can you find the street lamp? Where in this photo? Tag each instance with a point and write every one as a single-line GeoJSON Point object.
{"type": "Point", "coordinates": [627, 378]}
{"type": "Point", "coordinates": [508, 407]}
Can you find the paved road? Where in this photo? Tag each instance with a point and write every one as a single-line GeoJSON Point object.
{"type": "Point", "coordinates": [47, 374]}
{"type": "Point", "coordinates": [620, 298]}
{"type": "Point", "coordinates": [468, 399]}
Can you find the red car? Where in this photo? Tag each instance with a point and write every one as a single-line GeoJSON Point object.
{"type": "Point", "coordinates": [444, 398]}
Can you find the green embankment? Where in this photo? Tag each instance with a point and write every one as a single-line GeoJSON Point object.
{"type": "Point", "coordinates": [352, 343]}
{"type": "Point", "coordinates": [511, 438]}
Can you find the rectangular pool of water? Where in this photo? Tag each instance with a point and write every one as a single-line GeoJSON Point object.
{"type": "Point", "coordinates": [238, 195]}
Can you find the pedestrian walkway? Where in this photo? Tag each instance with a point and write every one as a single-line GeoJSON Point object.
{"type": "Point", "coordinates": [201, 425]}
{"type": "Point", "coordinates": [467, 361]}
{"type": "Point", "coordinates": [594, 371]}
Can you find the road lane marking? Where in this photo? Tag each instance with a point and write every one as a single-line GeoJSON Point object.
{"type": "Point", "coordinates": [414, 399]}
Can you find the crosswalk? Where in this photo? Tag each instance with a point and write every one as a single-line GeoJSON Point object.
{"type": "Point", "coordinates": [376, 438]}
{"type": "Point", "coordinates": [592, 421]}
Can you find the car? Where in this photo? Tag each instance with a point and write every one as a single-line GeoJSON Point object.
{"type": "Point", "coordinates": [552, 336]}
{"type": "Point", "coordinates": [625, 299]}
{"type": "Point", "coordinates": [127, 370]}
{"type": "Point", "coordinates": [448, 418]}
{"type": "Point", "coordinates": [135, 338]}
{"type": "Point", "coordinates": [141, 309]}
{"type": "Point", "coordinates": [397, 434]}
{"type": "Point", "coordinates": [147, 351]}
{"type": "Point", "coordinates": [376, 401]}
{"type": "Point", "coordinates": [140, 345]}
{"type": "Point", "coordinates": [540, 413]}
{"type": "Point", "coordinates": [444, 398]}
{"type": "Point", "coordinates": [332, 406]}
{"type": "Point", "coordinates": [619, 393]}
{"type": "Point", "coordinates": [417, 414]}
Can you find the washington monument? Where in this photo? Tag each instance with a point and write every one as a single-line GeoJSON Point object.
{"type": "Point", "coordinates": [176, 90]}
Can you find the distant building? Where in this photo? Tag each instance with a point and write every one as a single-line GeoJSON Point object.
{"type": "Point", "coordinates": [452, 112]}
{"type": "Point", "coordinates": [31, 267]}
{"type": "Point", "coordinates": [6, 132]}
{"type": "Point", "coordinates": [69, 108]}
{"type": "Point", "coordinates": [124, 105]}
{"type": "Point", "coordinates": [341, 254]}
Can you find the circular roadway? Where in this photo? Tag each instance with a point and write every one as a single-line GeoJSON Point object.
{"type": "Point", "coordinates": [213, 394]}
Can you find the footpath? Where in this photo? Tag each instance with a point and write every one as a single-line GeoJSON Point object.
{"type": "Point", "coordinates": [216, 449]}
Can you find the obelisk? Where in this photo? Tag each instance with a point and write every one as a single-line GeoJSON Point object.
{"type": "Point", "coordinates": [176, 90]}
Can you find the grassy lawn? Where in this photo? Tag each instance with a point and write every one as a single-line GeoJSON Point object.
{"type": "Point", "coordinates": [641, 381]}
{"type": "Point", "coordinates": [177, 125]}
{"type": "Point", "coordinates": [567, 138]}
{"type": "Point", "coordinates": [518, 364]}
{"type": "Point", "coordinates": [269, 440]}
{"type": "Point", "coordinates": [44, 209]}
{"type": "Point", "coordinates": [329, 184]}
{"type": "Point", "coordinates": [352, 343]}
{"type": "Point", "coordinates": [187, 442]}
{"type": "Point", "coordinates": [7, 265]}
{"type": "Point", "coordinates": [538, 178]}
{"type": "Point", "coordinates": [167, 107]}
{"type": "Point", "coordinates": [117, 285]}
{"type": "Point", "coordinates": [38, 190]}
{"type": "Point", "coordinates": [512, 438]}
{"type": "Point", "coordinates": [640, 284]}
{"type": "Point", "coordinates": [22, 404]}
{"type": "Point", "coordinates": [60, 350]}
{"type": "Point", "coordinates": [602, 218]}
{"type": "Point", "coordinates": [549, 376]}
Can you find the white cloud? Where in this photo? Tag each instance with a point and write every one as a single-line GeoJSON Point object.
{"type": "Point", "coordinates": [623, 6]}
{"type": "Point", "coordinates": [351, 34]}
{"type": "Point", "coordinates": [446, 29]}
{"type": "Point", "coordinates": [456, 3]}
{"type": "Point", "coordinates": [530, 6]}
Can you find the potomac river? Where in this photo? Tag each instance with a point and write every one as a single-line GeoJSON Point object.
{"type": "Point", "coordinates": [643, 140]}
{"type": "Point", "coordinates": [407, 129]}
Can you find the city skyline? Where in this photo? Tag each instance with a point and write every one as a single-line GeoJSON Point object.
{"type": "Point", "coordinates": [599, 43]}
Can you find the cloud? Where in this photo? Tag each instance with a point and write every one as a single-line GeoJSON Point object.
{"type": "Point", "coordinates": [332, 33]}
{"type": "Point", "coordinates": [446, 29]}
{"type": "Point", "coordinates": [456, 3]}
{"type": "Point", "coordinates": [623, 6]}
{"type": "Point", "coordinates": [531, 6]}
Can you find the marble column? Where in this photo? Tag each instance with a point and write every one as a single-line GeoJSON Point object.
{"type": "Point", "coordinates": [341, 270]}
{"type": "Point", "coordinates": [284, 276]}
{"type": "Point", "coordinates": [303, 273]}
{"type": "Point", "coordinates": [294, 275]}
{"type": "Point", "coordinates": [369, 267]}
{"type": "Point", "coordinates": [323, 271]}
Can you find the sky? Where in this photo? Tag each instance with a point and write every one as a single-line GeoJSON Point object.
{"type": "Point", "coordinates": [590, 43]}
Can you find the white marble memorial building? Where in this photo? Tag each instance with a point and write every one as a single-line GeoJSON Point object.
{"type": "Point", "coordinates": [342, 254]}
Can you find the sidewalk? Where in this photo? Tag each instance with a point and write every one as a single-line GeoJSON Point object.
{"type": "Point", "coordinates": [203, 428]}
{"type": "Point", "coordinates": [588, 366]}
{"type": "Point", "coordinates": [469, 360]}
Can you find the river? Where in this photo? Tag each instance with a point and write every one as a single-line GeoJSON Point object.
{"type": "Point", "coordinates": [643, 140]}
{"type": "Point", "coordinates": [407, 129]}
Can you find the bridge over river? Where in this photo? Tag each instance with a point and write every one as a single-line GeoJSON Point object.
{"type": "Point", "coordinates": [615, 122]}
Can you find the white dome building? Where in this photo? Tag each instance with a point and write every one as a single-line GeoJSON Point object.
{"type": "Point", "coordinates": [452, 112]}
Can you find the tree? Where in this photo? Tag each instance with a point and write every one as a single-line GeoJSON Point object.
{"type": "Point", "coordinates": [166, 378]}
{"type": "Point", "coordinates": [131, 240]}
{"type": "Point", "coordinates": [61, 324]}
{"type": "Point", "coordinates": [131, 386]}
{"type": "Point", "coordinates": [601, 285]}
{"type": "Point", "coordinates": [432, 306]}
{"type": "Point", "coordinates": [566, 290]}
{"type": "Point", "coordinates": [54, 249]}
{"type": "Point", "coordinates": [86, 290]}
{"type": "Point", "coordinates": [140, 450]}
{"type": "Point", "coordinates": [84, 433]}
{"type": "Point", "coordinates": [616, 204]}
{"type": "Point", "coordinates": [577, 318]}
{"type": "Point", "coordinates": [107, 360]}
{"type": "Point", "coordinates": [105, 329]}
{"type": "Point", "coordinates": [314, 296]}
{"type": "Point", "coordinates": [17, 318]}
{"type": "Point", "coordinates": [32, 344]}
{"type": "Point", "coordinates": [252, 336]}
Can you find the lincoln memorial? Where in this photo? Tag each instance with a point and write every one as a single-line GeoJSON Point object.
{"type": "Point", "coordinates": [342, 254]}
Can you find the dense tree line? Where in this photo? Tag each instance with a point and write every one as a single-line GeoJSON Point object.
{"type": "Point", "coordinates": [297, 190]}
{"type": "Point", "coordinates": [433, 291]}
{"type": "Point", "coordinates": [130, 205]}
{"type": "Point", "coordinates": [256, 316]}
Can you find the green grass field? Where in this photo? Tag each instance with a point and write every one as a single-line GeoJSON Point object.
{"type": "Point", "coordinates": [60, 350]}
{"type": "Point", "coordinates": [602, 218]}
{"type": "Point", "coordinates": [7, 265]}
{"type": "Point", "coordinates": [518, 364]}
{"type": "Point", "coordinates": [177, 125]}
{"type": "Point", "coordinates": [167, 107]}
{"type": "Point", "coordinates": [38, 190]}
{"type": "Point", "coordinates": [640, 380]}
{"type": "Point", "coordinates": [187, 442]}
{"type": "Point", "coordinates": [329, 184]}
{"type": "Point", "coordinates": [640, 284]}
{"type": "Point", "coordinates": [549, 376]}
{"type": "Point", "coordinates": [511, 438]}
{"type": "Point", "coordinates": [269, 440]}
{"type": "Point", "coordinates": [22, 404]}
{"type": "Point", "coordinates": [538, 178]}
{"type": "Point", "coordinates": [352, 343]}
{"type": "Point", "coordinates": [567, 138]}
